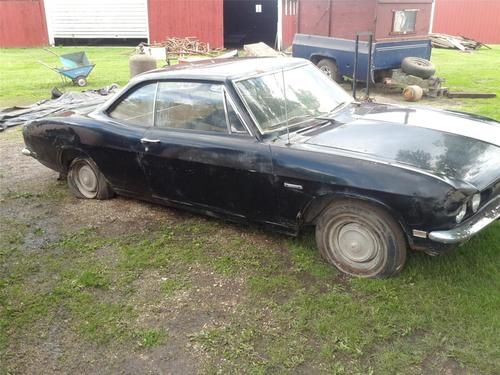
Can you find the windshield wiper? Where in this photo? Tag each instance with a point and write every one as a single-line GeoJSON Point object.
{"type": "Point", "coordinates": [333, 110]}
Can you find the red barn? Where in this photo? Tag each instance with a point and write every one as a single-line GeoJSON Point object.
{"type": "Point", "coordinates": [477, 19]}
{"type": "Point", "coordinates": [26, 23]}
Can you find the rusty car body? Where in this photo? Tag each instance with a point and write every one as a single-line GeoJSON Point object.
{"type": "Point", "coordinates": [274, 141]}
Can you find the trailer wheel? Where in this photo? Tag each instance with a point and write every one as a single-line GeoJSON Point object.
{"type": "Point", "coordinates": [329, 68]}
{"type": "Point", "coordinates": [418, 67]}
{"type": "Point", "coordinates": [80, 81]}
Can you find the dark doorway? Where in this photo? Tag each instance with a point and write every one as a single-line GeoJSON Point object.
{"type": "Point", "coordinates": [250, 21]}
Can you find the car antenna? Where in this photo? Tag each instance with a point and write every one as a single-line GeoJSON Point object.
{"type": "Point", "coordinates": [286, 107]}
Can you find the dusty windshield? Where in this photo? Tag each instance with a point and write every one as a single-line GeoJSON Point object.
{"type": "Point", "coordinates": [306, 93]}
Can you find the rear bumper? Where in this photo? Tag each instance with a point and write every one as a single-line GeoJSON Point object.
{"type": "Point", "coordinates": [487, 215]}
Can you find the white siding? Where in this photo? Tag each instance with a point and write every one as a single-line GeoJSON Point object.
{"type": "Point", "coordinates": [97, 19]}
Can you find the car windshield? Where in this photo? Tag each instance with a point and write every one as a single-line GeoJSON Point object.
{"type": "Point", "coordinates": [306, 94]}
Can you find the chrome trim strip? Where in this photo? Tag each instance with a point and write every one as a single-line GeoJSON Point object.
{"type": "Point", "coordinates": [396, 48]}
{"type": "Point", "coordinates": [236, 110]}
{"type": "Point", "coordinates": [487, 215]}
{"type": "Point", "coordinates": [293, 186]}
{"type": "Point", "coordinates": [268, 72]}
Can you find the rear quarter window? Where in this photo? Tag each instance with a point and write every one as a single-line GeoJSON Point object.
{"type": "Point", "coordinates": [137, 107]}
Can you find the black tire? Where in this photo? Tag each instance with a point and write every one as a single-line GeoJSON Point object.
{"type": "Point", "coordinates": [85, 181]}
{"type": "Point", "coordinates": [418, 67]}
{"type": "Point", "coordinates": [80, 81]}
{"type": "Point", "coordinates": [361, 239]}
{"type": "Point", "coordinates": [329, 68]}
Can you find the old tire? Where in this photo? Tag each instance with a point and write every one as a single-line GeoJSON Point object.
{"type": "Point", "coordinates": [413, 93]}
{"type": "Point", "coordinates": [418, 67]}
{"type": "Point", "coordinates": [86, 181]}
{"type": "Point", "coordinates": [80, 81]}
{"type": "Point", "coordinates": [361, 239]}
{"type": "Point", "coordinates": [329, 68]}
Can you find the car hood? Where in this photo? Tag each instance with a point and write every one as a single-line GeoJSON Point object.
{"type": "Point", "coordinates": [454, 145]}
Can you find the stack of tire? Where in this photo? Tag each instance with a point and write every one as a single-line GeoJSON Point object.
{"type": "Point", "coordinates": [417, 67]}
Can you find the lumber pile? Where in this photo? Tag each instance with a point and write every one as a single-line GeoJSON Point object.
{"type": "Point", "coordinates": [455, 42]}
{"type": "Point", "coordinates": [186, 46]}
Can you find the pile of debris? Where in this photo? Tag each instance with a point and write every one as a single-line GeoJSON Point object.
{"type": "Point", "coordinates": [455, 42]}
{"type": "Point", "coordinates": [185, 46]}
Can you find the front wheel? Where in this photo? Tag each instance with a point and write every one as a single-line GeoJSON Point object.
{"type": "Point", "coordinates": [86, 181]}
{"type": "Point", "coordinates": [361, 239]}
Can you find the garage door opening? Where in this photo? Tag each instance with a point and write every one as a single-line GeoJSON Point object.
{"type": "Point", "coordinates": [250, 21]}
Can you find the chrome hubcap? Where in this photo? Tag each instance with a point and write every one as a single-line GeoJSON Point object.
{"type": "Point", "coordinates": [356, 243]}
{"type": "Point", "coordinates": [86, 181]}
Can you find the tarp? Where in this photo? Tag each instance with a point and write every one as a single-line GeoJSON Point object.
{"type": "Point", "coordinates": [82, 102]}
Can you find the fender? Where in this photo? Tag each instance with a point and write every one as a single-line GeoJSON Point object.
{"type": "Point", "coordinates": [313, 209]}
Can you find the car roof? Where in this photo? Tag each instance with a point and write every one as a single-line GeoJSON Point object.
{"type": "Point", "coordinates": [222, 69]}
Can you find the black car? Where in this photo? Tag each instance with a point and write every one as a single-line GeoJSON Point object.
{"type": "Point", "coordinates": [274, 141]}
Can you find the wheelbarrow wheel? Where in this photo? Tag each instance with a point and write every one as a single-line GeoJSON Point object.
{"type": "Point", "coordinates": [80, 81]}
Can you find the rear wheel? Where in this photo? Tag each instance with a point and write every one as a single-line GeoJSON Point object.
{"type": "Point", "coordinates": [86, 181]}
{"type": "Point", "coordinates": [361, 239]}
{"type": "Point", "coordinates": [329, 68]}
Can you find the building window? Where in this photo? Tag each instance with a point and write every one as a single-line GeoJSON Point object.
{"type": "Point", "coordinates": [404, 21]}
{"type": "Point", "coordinates": [291, 7]}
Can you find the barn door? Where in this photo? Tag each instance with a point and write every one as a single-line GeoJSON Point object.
{"type": "Point", "coordinates": [96, 19]}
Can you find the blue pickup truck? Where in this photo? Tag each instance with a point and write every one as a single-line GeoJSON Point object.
{"type": "Point", "coordinates": [335, 56]}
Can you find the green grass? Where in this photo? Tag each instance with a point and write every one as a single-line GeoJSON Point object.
{"type": "Point", "coordinates": [234, 299]}
{"type": "Point", "coordinates": [24, 81]}
{"type": "Point", "coordinates": [475, 72]}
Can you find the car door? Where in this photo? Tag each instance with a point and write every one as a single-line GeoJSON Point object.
{"type": "Point", "coordinates": [200, 153]}
{"type": "Point", "coordinates": [126, 122]}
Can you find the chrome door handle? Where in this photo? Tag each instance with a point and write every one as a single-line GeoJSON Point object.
{"type": "Point", "coordinates": [147, 140]}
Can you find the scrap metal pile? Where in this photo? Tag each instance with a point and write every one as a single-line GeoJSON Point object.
{"type": "Point", "coordinates": [455, 42]}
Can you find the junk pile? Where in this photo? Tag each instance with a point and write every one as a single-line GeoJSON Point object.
{"type": "Point", "coordinates": [79, 102]}
{"type": "Point", "coordinates": [416, 79]}
{"type": "Point", "coordinates": [175, 48]}
{"type": "Point", "coordinates": [455, 42]}
{"type": "Point", "coordinates": [183, 50]}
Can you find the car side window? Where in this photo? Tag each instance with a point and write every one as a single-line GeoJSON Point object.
{"type": "Point", "coordinates": [191, 105]}
{"type": "Point", "coordinates": [136, 108]}
{"type": "Point", "coordinates": [235, 123]}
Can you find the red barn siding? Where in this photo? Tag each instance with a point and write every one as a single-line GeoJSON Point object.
{"type": "Point", "coordinates": [352, 16]}
{"type": "Point", "coordinates": [337, 18]}
{"type": "Point", "coordinates": [179, 18]}
{"type": "Point", "coordinates": [314, 17]}
{"type": "Point", "coordinates": [478, 19]}
{"type": "Point", "coordinates": [22, 23]}
{"type": "Point", "coordinates": [385, 17]}
{"type": "Point", "coordinates": [345, 18]}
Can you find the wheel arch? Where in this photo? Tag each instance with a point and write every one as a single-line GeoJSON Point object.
{"type": "Point", "coordinates": [316, 58]}
{"type": "Point", "coordinates": [313, 209]}
{"type": "Point", "coordinates": [69, 153]}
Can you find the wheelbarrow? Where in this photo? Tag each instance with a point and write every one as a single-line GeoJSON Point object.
{"type": "Point", "coordinates": [75, 66]}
